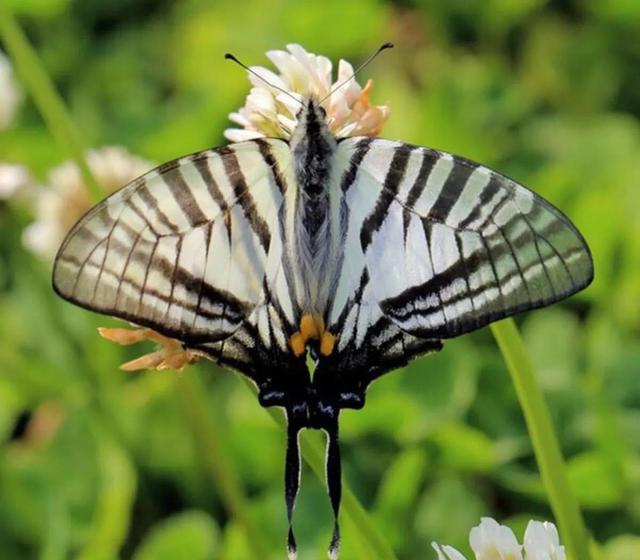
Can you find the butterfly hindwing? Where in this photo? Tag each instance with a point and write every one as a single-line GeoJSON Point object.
{"type": "Point", "coordinates": [448, 245]}
{"type": "Point", "coordinates": [184, 249]}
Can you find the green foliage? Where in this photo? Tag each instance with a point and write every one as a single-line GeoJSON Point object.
{"type": "Point", "coordinates": [190, 534]}
{"type": "Point", "coordinates": [95, 463]}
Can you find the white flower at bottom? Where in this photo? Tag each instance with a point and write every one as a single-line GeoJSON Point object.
{"type": "Point", "coordinates": [447, 552]}
{"type": "Point", "coordinates": [65, 199]}
{"type": "Point", "coordinates": [492, 541]}
{"type": "Point", "coordinates": [541, 542]}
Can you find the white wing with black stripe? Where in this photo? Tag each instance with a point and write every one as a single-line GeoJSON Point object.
{"type": "Point", "coordinates": [447, 245]}
{"type": "Point", "coordinates": [187, 249]}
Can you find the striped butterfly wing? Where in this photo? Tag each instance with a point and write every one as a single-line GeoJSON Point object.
{"type": "Point", "coordinates": [445, 246]}
{"type": "Point", "coordinates": [187, 249]}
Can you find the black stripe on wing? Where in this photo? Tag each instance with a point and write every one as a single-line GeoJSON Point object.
{"type": "Point", "coordinates": [243, 195]}
{"type": "Point", "coordinates": [356, 158]}
{"type": "Point", "coordinates": [493, 247]}
{"type": "Point", "coordinates": [426, 165]}
{"type": "Point", "coordinates": [389, 191]}
{"type": "Point", "coordinates": [159, 252]}
{"type": "Point", "coordinates": [184, 197]}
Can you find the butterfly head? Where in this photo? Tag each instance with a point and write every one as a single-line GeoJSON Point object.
{"type": "Point", "coordinates": [311, 113]}
{"type": "Point", "coordinates": [312, 130]}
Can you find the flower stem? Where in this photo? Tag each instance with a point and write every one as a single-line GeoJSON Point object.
{"type": "Point", "coordinates": [207, 439]}
{"type": "Point", "coordinates": [312, 448]}
{"type": "Point", "coordinates": [545, 442]}
{"type": "Point", "coordinates": [45, 96]}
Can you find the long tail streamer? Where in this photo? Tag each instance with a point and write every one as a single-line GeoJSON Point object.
{"type": "Point", "coordinates": [334, 484]}
{"type": "Point", "coordinates": [292, 482]}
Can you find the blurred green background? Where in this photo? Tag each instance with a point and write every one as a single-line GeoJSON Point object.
{"type": "Point", "coordinates": [99, 464]}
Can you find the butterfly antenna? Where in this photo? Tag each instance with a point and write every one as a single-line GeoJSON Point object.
{"type": "Point", "coordinates": [371, 57]}
{"type": "Point", "coordinates": [229, 56]}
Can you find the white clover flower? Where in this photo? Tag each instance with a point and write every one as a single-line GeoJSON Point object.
{"type": "Point", "coordinates": [541, 542]}
{"type": "Point", "coordinates": [65, 199]}
{"type": "Point", "coordinates": [447, 552]}
{"type": "Point", "coordinates": [492, 541]}
{"type": "Point", "coordinates": [10, 94]}
{"type": "Point", "coordinates": [269, 112]}
{"type": "Point", "coordinates": [13, 179]}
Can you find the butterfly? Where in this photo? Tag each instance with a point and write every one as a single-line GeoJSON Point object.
{"type": "Point", "coordinates": [357, 252]}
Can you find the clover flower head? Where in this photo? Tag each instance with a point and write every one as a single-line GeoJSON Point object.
{"type": "Point", "coordinates": [270, 112]}
{"type": "Point", "coordinates": [446, 552]}
{"type": "Point", "coordinates": [541, 542]}
{"type": "Point", "coordinates": [492, 541]}
{"type": "Point", "coordinates": [14, 179]}
{"type": "Point", "coordinates": [65, 199]}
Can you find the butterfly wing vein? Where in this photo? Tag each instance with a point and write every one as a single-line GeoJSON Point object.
{"type": "Point", "coordinates": [449, 245]}
{"type": "Point", "coordinates": [185, 248]}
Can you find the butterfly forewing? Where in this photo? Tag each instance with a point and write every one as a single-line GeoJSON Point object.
{"type": "Point", "coordinates": [185, 248]}
{"type": "Point", "coordinates": [448, 245]}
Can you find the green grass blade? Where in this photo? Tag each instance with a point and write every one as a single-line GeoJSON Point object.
{"type": "Point", "coordinates": [543, 437]}
{"type": "Point", "coordinates": [190, 392]}
{"type": "Point", "coordinates": [45, 96]}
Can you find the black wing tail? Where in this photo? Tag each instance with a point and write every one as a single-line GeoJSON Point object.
{"type": "Point", "coordinates": [292, 480]}
{"type": "Point", "coordinates": [334, 483]}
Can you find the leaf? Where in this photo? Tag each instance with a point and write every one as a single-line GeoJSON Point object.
{"type": "Point", "coordinates": [398, 493]}
{"type": "Point", "coordinates": [595, 483]}
{"type": "Point", "coordinates": [623, 547]}
{"type": "Point", "coordinates": [191, 534]}
{"type": "Point", "coordinates": [115, 500]}
{"type": "Point", "coordinates": [447, 511]}
{"type": "Point", "coordinates": [466, 448]}
{"type": "Point", "coordinates": [552, 338]}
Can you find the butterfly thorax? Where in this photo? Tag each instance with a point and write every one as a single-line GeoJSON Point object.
{"type": "Point", "coordinates": [313, 147]}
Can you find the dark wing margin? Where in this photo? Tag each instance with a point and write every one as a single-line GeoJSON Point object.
{"type": "Point", "coordinates": [451, 245]}
{"type": "Point", "coordinates": [182, 249]}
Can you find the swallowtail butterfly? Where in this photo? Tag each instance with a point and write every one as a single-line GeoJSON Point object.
{"type": "Point", "coordinates": [359, 252]}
